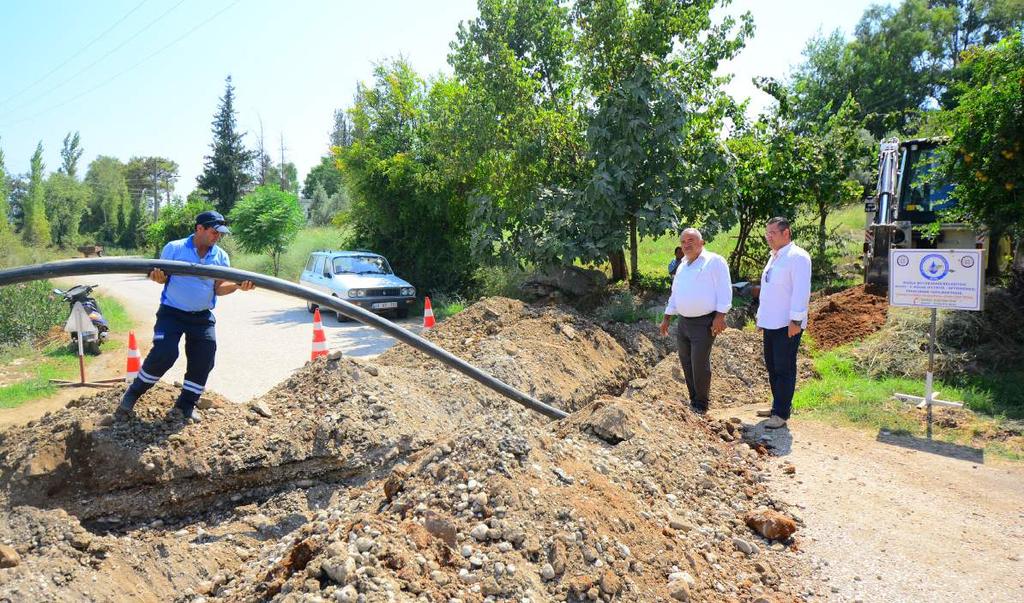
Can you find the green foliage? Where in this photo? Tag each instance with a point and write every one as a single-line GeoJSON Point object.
{"type": "Point", "coordinates": [403, 203]}
{"type": "Point", "coordinates": [175, 222]}
{"type": "Point", "coordinates": [515, 134]}
{"type": "Point", "coordinates": [70, 153]}
{"type": "Point", "coordinates": [325, 174]}
{"type": "Point", "coordinates": [285, 177]}
{"type": "Point", "coordinates": [324, 208]}
{"type": "Point", "coordinates": [28, 312]}
{"type": "Point", "coordinates": [768, 161]}
{"type": "Point", "coordinates": [151, 180]}
{"type": "Point", "coordinates": [626, 307]}
{"type": "Point", "coordinates": [985, 157]}
{"type": "Point", "coordinates": [136, 225]}
{"type": "Point", "coordinates": [294, 258]}
{"type": "Point", "coordinates": [899, 62]}
{"type": "Point", "coordinates": [35, 229]}
{"type": "Point", "coordinates": [503, 281]}
{"type": "Point", "coordinates": [66, 200]}
{"type": "Point", "coordinates": [109, 203]}
{"type": "Point", "coordinates": [227, 172]}
{"type": "Point", "coordinates": [266, 221]}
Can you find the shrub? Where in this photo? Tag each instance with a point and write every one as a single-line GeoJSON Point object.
{"type": "Point", "coordinates": [27, 312]}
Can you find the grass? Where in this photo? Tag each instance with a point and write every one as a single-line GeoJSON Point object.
{"type": "Point", "coordinates": [57, 360]}
{"type": "Point", "coordinates": [294, 259]}
{"type": "Point", "coordinates": [841, 395]}
{"type": "Point", "coordinates": [653, 255]}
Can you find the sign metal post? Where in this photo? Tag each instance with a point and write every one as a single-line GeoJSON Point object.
{"type": "Point", "coordinates": [935, 278]}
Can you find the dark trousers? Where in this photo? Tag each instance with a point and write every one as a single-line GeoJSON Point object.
{"type": "Point", "coordinates": [694, 338]}
{"type": "Point", "coordinates": [200, 349]}
{"type": "Point", "coordinates": [780, 360]}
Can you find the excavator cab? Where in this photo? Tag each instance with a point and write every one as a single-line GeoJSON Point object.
{"type": "Point", "coordinates": [909, 198]}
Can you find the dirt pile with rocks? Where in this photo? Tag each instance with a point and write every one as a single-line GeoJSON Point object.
{"type": "Point", "coordinates": [397, 479]}
{"type": "Point", "coordinates": [849, 315]}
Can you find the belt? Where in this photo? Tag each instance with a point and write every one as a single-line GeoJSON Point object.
{"type": "Point", "coordinates": [180, 311]}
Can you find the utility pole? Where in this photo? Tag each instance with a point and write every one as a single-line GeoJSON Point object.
{"type": "Point", "coordinates": [284, 178]}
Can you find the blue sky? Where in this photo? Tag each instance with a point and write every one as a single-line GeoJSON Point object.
{"type": "Point", "coordinates": [143, 77]}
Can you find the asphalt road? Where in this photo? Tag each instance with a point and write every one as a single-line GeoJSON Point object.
{"type": "Point", "coordinates": [262, 336]}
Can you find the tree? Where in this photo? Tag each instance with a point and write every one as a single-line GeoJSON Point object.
{"type": "Point", "coordinates": [657, 111]}
{"type": "Point", "coordinates": [175, 222]}
{"type": "Point", "coordinates": [285, 177]}
{"type": "Point", "coordinates": [325, 174]}
{"type": "Point", "coordinates": [838, 167]}
{"type": "Point", "coordinates": [984, 157]}
{"type": "Point", "coordinates": [514, 128]}
{"type": "Point", "coordinates": [133, 236]}
{"type": "Point", "coordinates": [768, 160]}
{"type": "Point", "coordinates": [150, 179]}
{"type": "Point", "coordinates": [66, 199]}
{"type": "Point", "coordinates": [324, 208]}
{"type": "Point", "coordinates": [341, 133]}
{"type": "Point", "coordinates": [70, 153]}
{"type": "Point", "coordinates": [266, 221]}
{"type": "Point", "coordinates": [227, 172]}
{"type": "Point", "coordinates": [403, 203]}
{"type": "Point", "coordinates": [110, 201]}
{"type": "Point", "coordinates": [36, 229]}
{"type": "Point", "coordinates": [17, 197]}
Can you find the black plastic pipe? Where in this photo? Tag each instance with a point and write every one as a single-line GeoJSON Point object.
{"type": "Point", "coordinates": [140, 266]}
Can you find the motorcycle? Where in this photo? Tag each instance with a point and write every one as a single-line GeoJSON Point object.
{"type": "Point", "coordinates": [83, 294]}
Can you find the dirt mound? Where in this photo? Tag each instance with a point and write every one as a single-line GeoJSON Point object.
{"type": "Point", "coordinates": [846, 316]}
{"type": "Point", "coordinates": [560, 515]}
{"type": "Point", "coordinates": [398, 479]}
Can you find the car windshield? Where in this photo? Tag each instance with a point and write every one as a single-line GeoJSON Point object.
{"type": "Point", "coordinates": [361, 264]}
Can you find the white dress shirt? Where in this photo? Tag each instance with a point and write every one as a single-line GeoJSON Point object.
{"type": "Point", "coordinates": [700, 287]}
{"type": "Point", "coordinates": [785, 288]}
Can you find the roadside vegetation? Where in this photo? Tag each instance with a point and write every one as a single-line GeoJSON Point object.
{"type": "Point", "coordinates": [588, 134]}
{"type": "Point", "coordinates": [26, 368]}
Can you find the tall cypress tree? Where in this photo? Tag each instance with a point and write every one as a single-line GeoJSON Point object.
{"type": "Point", "coordinates": [227, 173]}
{"type": "Point", "coordinates": [36, 229]}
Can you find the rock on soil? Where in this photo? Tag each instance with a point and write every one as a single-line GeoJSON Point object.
{"type": "Point", "coordinates": [846, 316]}
{"type": "Point", "coordinates": [401, 480]}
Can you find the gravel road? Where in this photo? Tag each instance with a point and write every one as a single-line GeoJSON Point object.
{"type": "Point", "coordinates": [262, 336]}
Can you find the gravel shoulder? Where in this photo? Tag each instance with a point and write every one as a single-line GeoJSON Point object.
{"type": "Point", "coordinates": [895, 519]}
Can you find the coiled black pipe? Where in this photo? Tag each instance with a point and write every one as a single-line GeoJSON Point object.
{"type": "Point", "coordinates": [141, 266]}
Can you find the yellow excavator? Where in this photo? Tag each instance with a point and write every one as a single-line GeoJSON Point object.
{"type": "Point", "coordinates": [908, 199]}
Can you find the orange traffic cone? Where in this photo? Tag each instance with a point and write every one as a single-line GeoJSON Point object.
{"type": "Point", "coordinates": [132, 368]}
{"type": "Point", "coordinates": [428, 314]}
{"type": "Point", "coordinates": [319, 338]}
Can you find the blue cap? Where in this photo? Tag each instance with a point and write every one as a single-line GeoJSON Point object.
{"type": "Point", "coordinates": [213, 219]}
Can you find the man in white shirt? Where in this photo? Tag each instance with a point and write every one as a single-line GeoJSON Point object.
{"type": "Point", "coordinates": [701, 297]}
{"type": "Point", "coordinates": [782, 316]}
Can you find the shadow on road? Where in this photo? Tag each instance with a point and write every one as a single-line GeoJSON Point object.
{"type": "Point", "coordinates": [954, 451]}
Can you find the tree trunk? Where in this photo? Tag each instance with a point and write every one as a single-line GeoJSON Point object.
{"type": "Point", "coordinates": [736, 257]}
{"type": "Point", "coordinates": [632, 246]}
{"type": "Point", "coordinates": [617, 259]}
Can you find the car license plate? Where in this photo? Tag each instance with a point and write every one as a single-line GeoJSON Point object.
{"type": "Point", "coordinates": [384, 305]}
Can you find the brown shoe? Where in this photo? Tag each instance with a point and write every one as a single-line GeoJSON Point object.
{"type": "Point", "coordinates": [764, 412]}
{"type": "Point", "coordinates": [775, 422]}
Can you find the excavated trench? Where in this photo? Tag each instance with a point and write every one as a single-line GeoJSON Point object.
{"type": "Point", "coordinates": [317, 448]}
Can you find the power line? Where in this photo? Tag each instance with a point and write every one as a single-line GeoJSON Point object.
{"type": "Point", "coordinates": [76, 53]}
{"type": "Point", "coordinates": [123, 71]}
{"type": "Point", "coordinates": [97, 61]}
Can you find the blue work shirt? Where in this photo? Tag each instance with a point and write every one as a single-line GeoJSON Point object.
{"type": "Point", "coordinates": [191, 293]}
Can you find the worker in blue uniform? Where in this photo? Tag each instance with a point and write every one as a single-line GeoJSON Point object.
{"type": "Point", "coordinates": [186, 305]}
